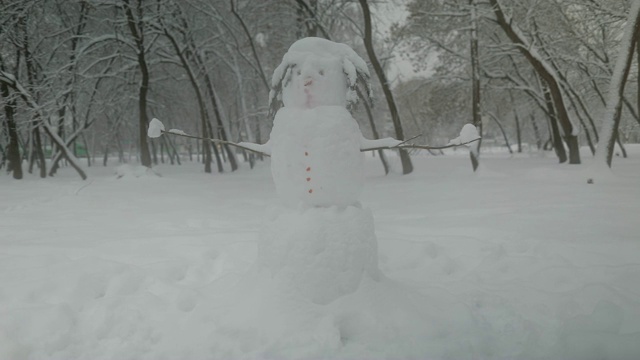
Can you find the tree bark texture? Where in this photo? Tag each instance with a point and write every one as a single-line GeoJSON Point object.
{"type": "Point", "coordinates": [13, 149]}
{"type": "Point", "coordinates": [474, 154]}
{"type": "Point", "coordinates": [545, 72]}
{"type": "Point", "coordinates": [137, 31]}
{"type": "Point", "coordinates": [407, 166]}
{"type": "Point", "coordinates": [556, 138]}
{"type": "Point", "coordinates": [201, 105]}
{"type": "Point", "coordinates": [10, 81]}
{"type": "Point", "coordinates": [611, 122]}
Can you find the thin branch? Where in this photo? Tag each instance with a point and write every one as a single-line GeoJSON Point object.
{"type": "Point", "coordinates": [218, 141]}
{"type": "Point", "coordinates": [424, 147]}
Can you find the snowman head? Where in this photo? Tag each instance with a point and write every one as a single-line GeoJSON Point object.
{"type": "Point", "coordinates": [318, 72]}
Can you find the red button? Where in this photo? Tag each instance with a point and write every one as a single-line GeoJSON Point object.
{"type": "Point", "coordinates": [310, 191]}
{"type": "Point", "coordinates": [309, 169]}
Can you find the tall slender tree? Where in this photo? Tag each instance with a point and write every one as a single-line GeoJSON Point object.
{"type": "Point", "coordinates": [136, 24]}
{"type": "Point", "coordinates": [474, 154]}
{"type": "Point", "coordinates": [611, 121]}
{"type": "Point", "coordinates": [407, 166]}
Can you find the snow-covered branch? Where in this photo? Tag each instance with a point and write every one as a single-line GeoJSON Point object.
{"type": "Point", "coordinates": [11, 81]}
{"type": "Point", "coordinates": [156, 129]}
{"type": "Point", "coordinates": [468, 134]}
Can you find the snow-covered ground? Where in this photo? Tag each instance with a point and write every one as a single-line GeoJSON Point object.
{"type": "Point", "coordinates": [523, 260]}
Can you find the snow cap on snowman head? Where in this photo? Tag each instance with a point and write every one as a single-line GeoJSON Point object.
{"type": "Point", "coordinates": [318, 72]}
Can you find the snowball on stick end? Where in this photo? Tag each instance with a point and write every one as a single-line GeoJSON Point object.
{"type": "Point", "coordinates": [156, 127]}
{"type": "Point", "coordinates": [468, 134]}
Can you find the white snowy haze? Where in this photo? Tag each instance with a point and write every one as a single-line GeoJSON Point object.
{"type": "Point", "coordinates": [331, 260]}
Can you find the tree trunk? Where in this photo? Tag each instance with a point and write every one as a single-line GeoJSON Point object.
{"type": "Point", "coordinates": [37, 143]}
{"type": "Point", "coordinates": [474, 152]}
{"type": "Point", "coordinates": [206, 132]}
{"type": "Point", "coordinates": [611, 122]}
{"type": "Point", "coordinates": [374, 131]}
{"type": "Point", "coordinates": [221, 128]}
{"type": "Point", "coordinates": [583, 124]}
{"type": "Point", "coordinates": [620, 145]}
{"type": "Point", "coordinates": [536, 132]}
{"type": "Point", "coordinates": [86, 147]}
{"type": "Point", "coordinates": [504, 134]}
{"type": "Point", "coordinates": [407, 166]}
{"type": "Point", "coordinates": [39, 149]}
{"type": "Point", "coordinates": [518, 131]}
{"type": "Point", "coordinates": [212, 93]}
{"type": "Point", "coordinates": [121, 158]}
{"type": "Point", "coordinates": [171, 150]}
{"type": "Point", "coordinates": [11, 81]}
{"type": "Point", "coordinates": [545, 71]}
{"type": "Point", "coordinates": [216, 153]}
{"type": "Point", "coordinates": [556, 138]}
{"type": "Point", "coordinates": [154, 152]}
{"type": "Point", "coordinates": [13, 149]}
{"type": "Point", "coordinates": [137, 31]}
{"type": "Point", "coordinates": [105, 157]}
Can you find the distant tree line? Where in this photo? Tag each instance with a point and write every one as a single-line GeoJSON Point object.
{"type": "Point", "coordinates": [542, 71]}
{"type": "Point", "coordinates": [82, 79]}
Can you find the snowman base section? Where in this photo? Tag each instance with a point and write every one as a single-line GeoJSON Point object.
{"type": "Point", "coordinates": [322, 253]}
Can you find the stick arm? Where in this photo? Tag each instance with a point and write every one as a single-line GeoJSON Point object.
{"type": "Point", "coordinates": [387, 143]}
{"type": "Point", "coordinates": [156, 129]}
{"type": "Point", "coordinates": [468, 134]}
{"type": "Point", "coordinates": [264, 149]}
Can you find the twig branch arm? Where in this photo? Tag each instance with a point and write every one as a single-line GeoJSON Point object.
{"type": "Point", "coordinates": [424, 147]}
{"type": "Point", "coordinates": [217, 141]}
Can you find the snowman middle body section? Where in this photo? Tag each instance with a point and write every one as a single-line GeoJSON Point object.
{"type": "Point", "coordinates": [315, 142]}
{"type": "Point", "coordinates": [316, 158]}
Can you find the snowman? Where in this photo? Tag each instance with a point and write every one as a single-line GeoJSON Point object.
{"type": "Point", "coordinates": [320, 242]}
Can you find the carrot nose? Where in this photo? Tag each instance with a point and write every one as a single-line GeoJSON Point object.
{"type": "Point", "coordinates": [308, 81]}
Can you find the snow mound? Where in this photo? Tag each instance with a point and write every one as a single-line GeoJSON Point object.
{"type": "Point", "coordinates": [597, 336]}
{"type": "Point", "coordinates": [322, 253]}
{"type": "Point", "coordinates": [132, 172]}
{"type": "Point", "coordinates": [380, 320]}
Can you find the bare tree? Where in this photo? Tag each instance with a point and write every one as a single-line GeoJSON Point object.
{"type": "Point", "coordinates": [136, 24]}
{"type": "Point", "coordinates": [13, 149]}
{"type": "Point", "coordinates": [611, 121]}
{"type": "Point", "coordinates": [407, 166]}
{"type": "Point", "coordinates": [474, 154]}
{"type": "Point", "coordinates": [11, 81]}
{"type": "Point", "coordinates": [546, 72]}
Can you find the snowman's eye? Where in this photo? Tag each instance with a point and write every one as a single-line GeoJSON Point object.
{"type": "Point", "coordinates": [298, 72]}
{"type": "Point", "coordinates": [321, 72]}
